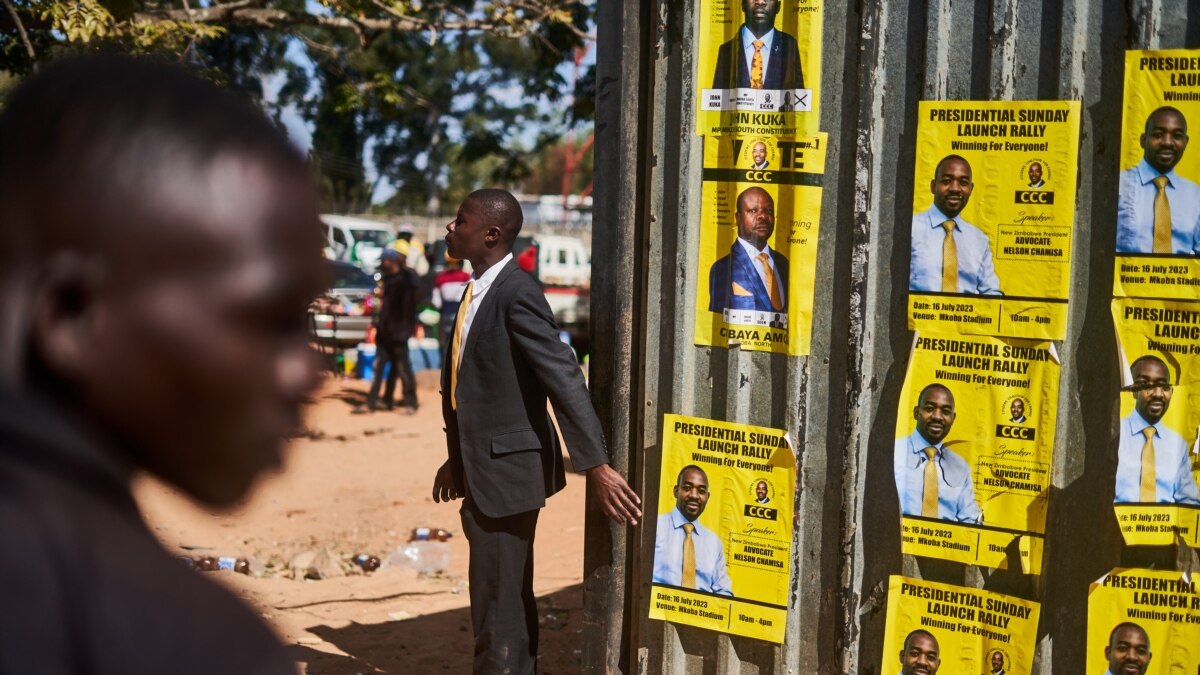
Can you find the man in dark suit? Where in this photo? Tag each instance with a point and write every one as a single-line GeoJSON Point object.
{"type": "Point", "coordinates": [759, 56]}
{"type": "Point", "coordinates": [505, 361]}
{"type": "Point", "coordinates": [752, 276]}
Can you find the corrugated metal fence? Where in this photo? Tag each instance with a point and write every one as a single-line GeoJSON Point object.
{"type": "Point", "coordinates": [880, 58]}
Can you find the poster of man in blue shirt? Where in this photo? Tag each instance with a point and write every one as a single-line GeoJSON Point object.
{"type": "Point", "coordinates": [1158, 210]}
{"type": "Point", "coordinates": [686, 553]}
{"type": "Point", "coordinates": [950, 255]}
{"type": "Point", "coordinates": [1153, 464]}
{"type": "Point", "coordinates": [932, 480]}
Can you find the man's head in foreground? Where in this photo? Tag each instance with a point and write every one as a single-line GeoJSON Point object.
{"type": "Point", "coordinates": [691, 491]}
{"type": "Point", "coordinates": [1128, 650]}
{"type": "Point", "coordinates": [161, 246]}
{"type": "Point", "coordinates": [920, 654]}
{"type": "Point", "coordinates": [934, 413]}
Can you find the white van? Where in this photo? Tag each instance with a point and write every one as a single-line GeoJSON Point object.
{"type": "Point", "coordinates": [356, 240]}
{"type": "Point", "coordinates": [563, 267]}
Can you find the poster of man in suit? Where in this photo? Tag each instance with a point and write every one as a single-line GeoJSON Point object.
{"type": "Point", "coordinates": [761, 56]}
{"type": "Point", "coordinates": [758, 253]}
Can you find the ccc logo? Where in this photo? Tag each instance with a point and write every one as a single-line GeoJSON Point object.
{"type": "Point", "coordinates": [1021, 433]}
{"type": "Point", "coordinates": [763, 512]}
{"type": "Point", "coordinates": [1034, 197]}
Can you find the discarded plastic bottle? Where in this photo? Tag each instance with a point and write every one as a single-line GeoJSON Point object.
{"type": "Point", "coordinates": [368, 563]}
{"type": "Point", "coordinates": [426, 557]}
{"type": "Point", "coordinates": [208, 563]}
{"type": "Point", "coordinates": [429, 534]}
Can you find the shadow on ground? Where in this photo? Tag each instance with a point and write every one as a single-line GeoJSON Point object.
{"type": "Point", "coordinates": [442, 642]}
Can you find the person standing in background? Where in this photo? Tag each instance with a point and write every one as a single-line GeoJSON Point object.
{"type": "Point", "coordinates": [448, 289]}
{"type": "Point", "coordinates": [397, 318]}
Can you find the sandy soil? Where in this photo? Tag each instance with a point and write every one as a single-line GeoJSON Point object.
{"type": "Point", "coordinates": [360, 484]}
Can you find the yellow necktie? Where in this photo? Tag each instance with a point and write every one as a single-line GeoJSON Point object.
{"type": "Point", "coordinates": [689, 556]}
{"type": "Point", "coordinates": [756, 66]}
{"type": "Point", "coordinates": [949, 260]}
{"type": "Point", "coordinates": [1149, 482]}
{"type": "Point", "coordinates": [1162, 217]}
{"type": "Point", "coordinates": [456, 346]}
{"type": "Point", "coordinates": [929, 500]}
{"type": "Point", "coordinates": [764, 259]}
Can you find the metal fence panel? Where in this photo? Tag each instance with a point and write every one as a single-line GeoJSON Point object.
{"type": "Point", "coordinates": [879, 59]}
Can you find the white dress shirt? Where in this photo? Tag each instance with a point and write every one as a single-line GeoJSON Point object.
{"type": "Point", "coordinates": [479, 288]}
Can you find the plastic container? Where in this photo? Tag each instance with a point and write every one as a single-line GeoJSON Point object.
{"type": "Point", "coordinates": [426, 557]}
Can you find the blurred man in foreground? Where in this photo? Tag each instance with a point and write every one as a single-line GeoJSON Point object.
{"type": "Point", "coordinates": [161, 244]}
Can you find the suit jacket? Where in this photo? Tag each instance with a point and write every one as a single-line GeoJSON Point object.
{"type": "Point", "coordinates": [738, 268]}
{"type": "Point", "coordinates": [502, 445]}
{"type": "Point", "coordinates": [782, 64]}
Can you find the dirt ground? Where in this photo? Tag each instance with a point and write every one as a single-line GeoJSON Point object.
{"type": "Point", "coordinates": [360, 484]}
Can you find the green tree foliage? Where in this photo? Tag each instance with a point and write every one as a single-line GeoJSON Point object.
{"type": "Point", "coordinates": [415, 85]}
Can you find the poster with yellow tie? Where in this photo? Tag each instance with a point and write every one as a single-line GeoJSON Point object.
{"type": "Point", "coordinates": [723, 539]}
{"type": "Point", "coordinates": [758, 67]}
{"type": "Point", "coordinates": [974, 437]}
{"type": "Point", "coordinates": [761, 205]}
{"type": "Point", "coordinates": [933, 627]}
{"type": "Point", "coordinates": [1158, 199]}
{"type": "Point", "coordinates": [993, 210]}
{"type": "Point", "coordinates": [1156, 497]}
{"type": "Point", "coordinates": [1143, 621]}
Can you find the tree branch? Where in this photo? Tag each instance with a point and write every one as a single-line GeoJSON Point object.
{"type": "Point", "coordinates": [246, 13]}
{"type": "Point", "coordinates": [12, 11]}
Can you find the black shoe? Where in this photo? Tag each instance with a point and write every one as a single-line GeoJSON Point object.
{"type": "Point", "coordinates": [363, 409]}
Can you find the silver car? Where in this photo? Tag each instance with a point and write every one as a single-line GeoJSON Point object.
{"type": "Point", "coordinates": [342, 316]}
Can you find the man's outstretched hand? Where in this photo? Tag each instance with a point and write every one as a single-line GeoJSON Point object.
{"type": "Point", "coordinates": [616, 498]}
{"type": "Point", "coordinates": [443, 484]}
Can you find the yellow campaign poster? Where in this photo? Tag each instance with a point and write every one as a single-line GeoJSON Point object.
{"type": "Point", "coordinates": [933, 627]}
{"type": "Point", "coordinates": [974, 437]}
{"type": "Point", "coordinates": [1158, 457]}
{"type": "Point", "coordinates": [723, 540]}
{"type": "Point", "coordinates": [758, 70]}
{"type": "Point", "coordinates": [993, 207]}
{"type": "Point", "coordinates": [1145, 622]}
{"type": "Point", "coordinates": [1158, 199]}
{"type": "Point", "coordinates": [758, 242]}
